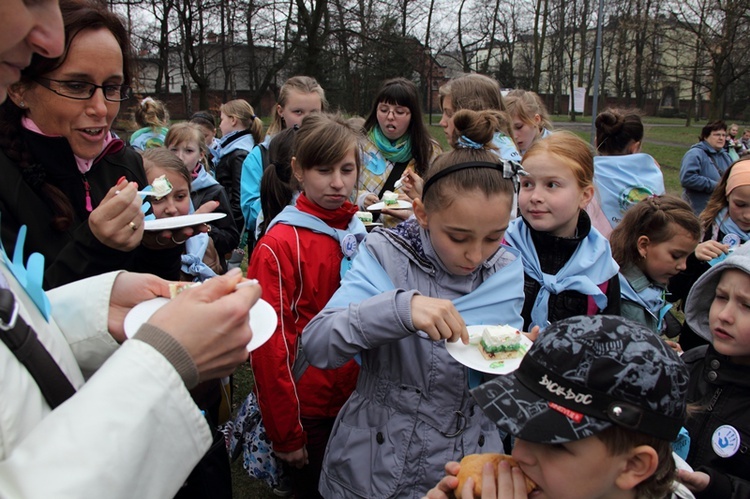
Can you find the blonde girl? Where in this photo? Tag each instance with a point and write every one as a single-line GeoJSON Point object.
{"type": "Point", "coordinates": [153, 118]}
{"type": "Point", "coordinates": [477, 93]}
{"type": "Point", "coordinates": [299, 263]}
{"type": "Point", "coordinates": [241, 129]}
{"type": "Point", "coordinates": [186, 140]}
{"type": "Point", "coordinates": [411, 409]}
{"type": "Point", "coordinates": [651, 245]}
{"type": "Point", "coordinates": [568, 264]}
{"type": "Point", "coordinates": [529, 117]}
{"type": "Point", "coordinates": [725, 223]}
{"type": "Point", "coordinates": [298, 97]}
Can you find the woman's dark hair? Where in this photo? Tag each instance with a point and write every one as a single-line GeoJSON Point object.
{"type": "Point", "coordinates": [712, 127]}
{"type": "Point", "coordinates": [78, 15]}
{"type": "Point", "coordinates": [402, 92]}
{"type": "Point", "coordinates": [277, 185]}
{"type": "Point", "coordinates": [616, 129]}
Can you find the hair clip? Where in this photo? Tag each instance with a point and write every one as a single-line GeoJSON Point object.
{"type": "Point", "coordinates": [512, 170]}
{"type": "Point", "coordinates": [147, 100]}
{"type": "Point", "coordinates": [465, 142]}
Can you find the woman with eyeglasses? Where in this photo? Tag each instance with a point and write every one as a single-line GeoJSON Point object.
{"type": "Point", "coordinates": [398, 140]}
{"type": "Point", "coordinates": [704, 164]}
{"type": "Point", "coordinates": [65, 175]}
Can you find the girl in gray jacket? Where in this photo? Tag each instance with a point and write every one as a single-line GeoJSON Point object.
{"type": "Point", "coordinates": [410, 288]}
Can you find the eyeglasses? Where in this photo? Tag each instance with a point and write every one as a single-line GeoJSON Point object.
{"type": "Point", "coordinates": [718, 134]}
{"type": "Point", "coordinates": [83, 90]}
{"type": "Point", "coordinates": [397, 111]}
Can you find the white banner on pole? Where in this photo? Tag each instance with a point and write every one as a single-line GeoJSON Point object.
{"type": "Point", "coordinates": [579, 99]}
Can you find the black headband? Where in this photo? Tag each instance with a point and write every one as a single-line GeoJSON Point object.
{"type": "Point", "coordinates": [509, 169]}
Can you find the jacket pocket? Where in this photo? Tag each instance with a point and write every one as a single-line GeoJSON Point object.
{"type": "Point", "coordinates": [367, 451]}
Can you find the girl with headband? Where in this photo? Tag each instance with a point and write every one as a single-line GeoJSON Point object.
{"type": "Point", "coordinates": [410, 288]}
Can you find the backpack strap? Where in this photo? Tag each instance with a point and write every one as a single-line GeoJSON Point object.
{"type": "Point", "coordinates": [23, 341]}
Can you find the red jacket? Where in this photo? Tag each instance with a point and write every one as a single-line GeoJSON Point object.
{"type": "Point", "coordinates": [299, 272]}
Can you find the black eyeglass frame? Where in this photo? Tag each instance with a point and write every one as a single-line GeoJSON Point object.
{"type": "Point", "coordinates": [125, 90]}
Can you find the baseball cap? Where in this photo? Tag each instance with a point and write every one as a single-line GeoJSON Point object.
{"type": "Point", "coordinates": [585, 374]}
{"type": "Point", "coordinates": [702, 293]}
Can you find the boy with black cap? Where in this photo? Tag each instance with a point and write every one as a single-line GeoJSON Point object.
{"type": "Point", "coordinates": [594, 407]}
{"type": "Point", "coordinates": [717, 309]}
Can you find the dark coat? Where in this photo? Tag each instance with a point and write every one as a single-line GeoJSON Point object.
{"type": "Point", "coordinates": [75, 253]}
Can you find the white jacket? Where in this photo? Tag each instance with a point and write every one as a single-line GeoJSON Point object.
{"type": "Point", "coordinates": [131, 430]}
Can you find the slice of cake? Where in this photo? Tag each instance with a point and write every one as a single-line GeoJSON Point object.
{"type": "Point", "coordinates": [365, 216]}
{"type": "Point", "coordinates": [175, 288]}
{"type": "Point", "coordinates": [500, 342]}
{"type": "Point", "coordinates": [390, 198]}
{"type": "Point", "coordinates": [162, 186]}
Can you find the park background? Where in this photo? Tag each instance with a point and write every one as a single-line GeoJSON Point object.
{"type": "Point", "coordinates": [687, 58]}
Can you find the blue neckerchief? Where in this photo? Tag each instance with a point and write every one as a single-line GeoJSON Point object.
{"type": "Point", "coordinates": [590, 265]}
{"type": "Point", "coordinates": [651, 298]}
{"type": "Point", "coordinates": [506, 148]}
{"type": "Point", "coordinates": [192, 259]}
{"type": "Point", "coordinates": [228, 144]}
{"type": "Point", "coordinates": [29, 276]}
{"type": "Point", "coordinates": [203, 180]}
{"type": "Point", "coordinates": [622, 181]}
{"type": "Point", "coordinates": [374, 161]}
{"type": "Point", "coordinates": [729, 226]}
{"type": "Point", "coordinates": [290, 215]}
{"type": "Point", "coordinates": [490, 303]}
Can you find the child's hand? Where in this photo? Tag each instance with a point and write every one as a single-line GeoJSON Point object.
{"type": "Point", "coordinates": [438, 318]}
{"type": "Point", "coordinates": [695, 481]}
{"type": "Point", "coordinates": [510, 484]}
{"type": "Point", "coordinates": [411, 184]}
{"type": "Point", "coordinates": [445, 489]}
{"type": "Point", "coordinates": [297, 459]}
{"type": "Point", "coordinates": [533, 334]}
{"type": "Point", "coordinates": [674, 346]}
{"type": "Point", "coordinates": [709, 250]}
{"type": "Point", "coordinates": [369, 200]}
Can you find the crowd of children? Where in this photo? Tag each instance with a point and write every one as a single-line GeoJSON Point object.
{"type": "Point", "coordinates": [357, 393]}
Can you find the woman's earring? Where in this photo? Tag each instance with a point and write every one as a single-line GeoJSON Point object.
{"type": "Point", "coordinates": [22, 104]}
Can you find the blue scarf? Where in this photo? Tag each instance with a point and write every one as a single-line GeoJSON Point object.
{"type": "Point", "coordinates": [651, 298]}
{"type": "Point", "coordinates": [490, 303]}
{"type": "Point", "coordinates": [622, 181]}
{"type": "Point", "coordinates": [349, 239]}
{"type": "Point", "coordinates": [228, 144]}
{"type": "Point", "coordinates": [729, 226]}
{"type": "Point", "coordinates": [395, 151]}
{"type": "Point", "coordinates": [590, 265]}
{"type": "Point", "coordinates": [195, 250]}
{"type": "Point", "coordinates": [203, 180]}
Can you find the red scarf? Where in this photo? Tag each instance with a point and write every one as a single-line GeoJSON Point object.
{"type": "Point", "coordinates": [338, 218]}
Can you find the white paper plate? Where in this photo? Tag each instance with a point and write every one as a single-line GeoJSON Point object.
{"type": "Point", "coordinates": [401, 205]}
{"type": "Point", "coordinates": [263, 319]}
{"type": "Point", "coordinates": [181, 221]}
{"type": "Point", "coordinates": [470, 356]}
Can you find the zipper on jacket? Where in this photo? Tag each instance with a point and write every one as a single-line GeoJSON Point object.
{"type": "Point", "coordinates": [714, 399]}
{"type": "Point", "coordinates": [87, 188]}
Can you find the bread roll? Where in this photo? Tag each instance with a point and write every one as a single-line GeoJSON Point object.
{"type": "Point", "coordinates": [471, 466]}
